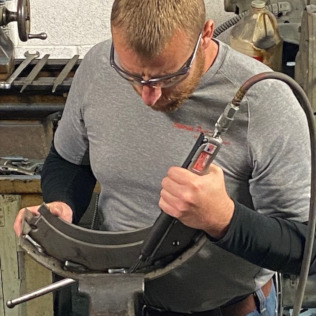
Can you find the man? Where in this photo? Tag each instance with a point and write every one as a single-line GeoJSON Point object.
{"type": "Point", "coordinates": [254, 196]}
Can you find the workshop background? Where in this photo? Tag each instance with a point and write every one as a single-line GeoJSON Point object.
{"type": "Point", "coordinates": [72, 28]}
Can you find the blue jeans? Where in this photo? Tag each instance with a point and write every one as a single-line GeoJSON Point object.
{"type": "Point", "coordinates": [268, 306]}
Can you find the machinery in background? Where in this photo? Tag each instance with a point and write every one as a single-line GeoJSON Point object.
{"type": "Point", "coordinates": [289, 14]}
{"type": "Point", "coordinates": [22, 17]}
{"type": "Point", "coordinates": [297, 27]}
{"type": "Point", "coordinates": [296, 22]}
{"type": "Point", "coordinates": [257, 35]}
{"type": "Point", "coordinates": [34, 72]}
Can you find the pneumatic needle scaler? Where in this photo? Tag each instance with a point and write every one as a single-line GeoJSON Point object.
{"type": "Point", "coordinates": [203, 153]}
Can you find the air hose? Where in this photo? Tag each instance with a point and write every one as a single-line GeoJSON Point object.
{"type": "Point", "coordinates": [305, 104]}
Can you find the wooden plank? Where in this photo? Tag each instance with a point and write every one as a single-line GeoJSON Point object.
{"type": "Point", "coordinates": [20, 274]}
{"type": "Point", "coordinates": [25, 185]}
{"type": "Point", "coordinates": [1, 290]}
{"type": "Point", "coordinates": [35, 276]}
{"type": "Point", "coordinates": [8, 254]}
{"type": "Point", "coordinates": [20, 185]}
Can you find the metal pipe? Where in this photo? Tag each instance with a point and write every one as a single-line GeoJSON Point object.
{"type": "Point", "coordinates": [40, 292]}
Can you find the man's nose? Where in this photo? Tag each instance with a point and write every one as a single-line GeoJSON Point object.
{"type": "Point", "coordinates": [150, 95]}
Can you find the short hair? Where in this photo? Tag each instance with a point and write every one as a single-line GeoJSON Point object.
{"type": "Point", "coordinates": [149, 25]}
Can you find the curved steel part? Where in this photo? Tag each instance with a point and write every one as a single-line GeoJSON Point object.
{"type": "Point", "coordinates": [58, 266]}
{"type": "Point", "coordinates": [90, 250]}
{"type": "Point", "coordinates": [93, 253]}
{"type": "Point", "coordinates": [46, 261]}
{"type": "Point", "coordinates": [78, 233]}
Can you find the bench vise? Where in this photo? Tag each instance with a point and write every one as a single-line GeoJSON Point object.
{"type": "Point", "coordinates": [100, 261]}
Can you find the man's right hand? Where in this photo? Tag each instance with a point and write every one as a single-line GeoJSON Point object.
{"type": "Point", "coordinates": [60, 209]}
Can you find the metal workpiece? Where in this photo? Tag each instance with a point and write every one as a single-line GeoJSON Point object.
{"type": "Point", "coordinates": [78, 249]}
{"type": "Point", "coordinates": [88, 250]}
{"type": "Point", "coordinates": [99, 260]}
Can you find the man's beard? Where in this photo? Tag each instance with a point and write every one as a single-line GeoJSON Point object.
{"type": "Point", "coordinates": [173, 98]}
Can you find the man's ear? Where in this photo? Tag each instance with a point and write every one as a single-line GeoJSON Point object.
{"type": "Point", "coordinates": [208, 32]}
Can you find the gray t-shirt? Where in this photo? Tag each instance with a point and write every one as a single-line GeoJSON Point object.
{"type": "Point", "coordinates": [265, 157]}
